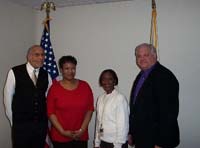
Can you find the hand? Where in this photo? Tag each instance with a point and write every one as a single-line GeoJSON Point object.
{"type": "Point", "coordinates": [156, 146]}
{"type": "Point", "coordinates": [130, 140]}
{"type": "Point", "coordinates": [78, 134]}
{"type": "Point", "coordinates": [69, 134]}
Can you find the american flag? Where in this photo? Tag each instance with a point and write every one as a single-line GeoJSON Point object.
{"type": "Point", "coordinates": [49, 63]}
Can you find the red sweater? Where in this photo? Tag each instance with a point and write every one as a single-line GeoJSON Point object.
{"type": "Point", "coordinates": [70, 107]}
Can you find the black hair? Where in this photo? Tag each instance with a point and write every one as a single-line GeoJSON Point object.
{"type": "Point", "coordinates": [67, 59]}
{"type": "Point", "coordinates": [112, 72]}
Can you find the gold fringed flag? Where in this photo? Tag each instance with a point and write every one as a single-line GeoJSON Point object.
{"type": "Point", "coordinates": [153, 33]}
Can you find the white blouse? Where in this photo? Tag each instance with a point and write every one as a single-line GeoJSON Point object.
{"type": "Point", "coordinates": [113, 115]}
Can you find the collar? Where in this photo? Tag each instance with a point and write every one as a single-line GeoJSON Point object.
{"type": "Point", "coordinates": [146, 72]}
{"type": "Point", "coordinates": [31, 68]}
{"type": "Point", "coordinates": [110, 94]}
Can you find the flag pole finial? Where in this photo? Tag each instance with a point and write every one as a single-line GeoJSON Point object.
{"type": "Point", "coordinates": [153, 4]}
{"type": "Point", "coordinates": [49, 63]}
{"type": "Point", "coordinates": [48, 6]}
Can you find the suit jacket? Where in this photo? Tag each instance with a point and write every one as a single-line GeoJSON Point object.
{"type": "Point", "coordinates": [153, 116]}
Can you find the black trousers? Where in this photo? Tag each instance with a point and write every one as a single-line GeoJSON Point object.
{"type": "Point", "coordinates": [29, 134]}
{"type": "Point", "coordinates": [70, 144]}
{"type": "Point", "coordinates": [104, 144]}
{"type": "Point", "coordinates": [151, 147]}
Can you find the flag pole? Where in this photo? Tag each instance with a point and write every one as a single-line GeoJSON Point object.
{"type": "Point", "coordinates": [47, 6]}
{"type": "Point", "coordinates": [49, 63]}
{"type": "Point", "coordinates": [153, 4]}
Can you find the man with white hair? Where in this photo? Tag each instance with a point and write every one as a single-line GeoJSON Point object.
{"type": "Point", "coordinates": [154, 103]}
{"type": "Point", "coordinates": [25, 100]}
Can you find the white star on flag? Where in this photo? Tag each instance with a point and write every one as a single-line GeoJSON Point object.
{"type": "Point", "coordinates": [49, 63]}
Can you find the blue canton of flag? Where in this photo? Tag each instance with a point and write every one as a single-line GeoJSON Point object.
{"type": "Point", "coordinates": [49, 63]}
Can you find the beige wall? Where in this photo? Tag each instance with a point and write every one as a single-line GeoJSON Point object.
{"type": "Point", "coordinates": [104, 36]}
{"type": "Point", "coordinates": [16, 35]}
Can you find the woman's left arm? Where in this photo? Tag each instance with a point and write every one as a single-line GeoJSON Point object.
{"type": "Point", "coordinates": [84, 125]}
{"type": "Point", "coordinates": [86, 120]}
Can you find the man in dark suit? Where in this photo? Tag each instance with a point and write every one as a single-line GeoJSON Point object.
{"type": "Point", "coordinates": [154, 103]}
{"type": "Point", "coordinates": [25, 100]}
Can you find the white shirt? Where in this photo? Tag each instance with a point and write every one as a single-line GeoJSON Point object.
{"type": "Point", "coordinates": [9, 89]}
{"type": "Point", "coordinates": [113, 114]}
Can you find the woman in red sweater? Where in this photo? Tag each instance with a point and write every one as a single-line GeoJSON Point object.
{"type": "Point", "coordinates": [70, 107]}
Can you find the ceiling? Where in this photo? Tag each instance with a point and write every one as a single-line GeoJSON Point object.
{"type": "Point", "coordinates": [61, 3]}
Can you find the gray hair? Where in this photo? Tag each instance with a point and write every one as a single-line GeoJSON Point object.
{"type": "Point", "coordinates": [32, 47]}
{"type": "Point", "coordinates": [148, 46]}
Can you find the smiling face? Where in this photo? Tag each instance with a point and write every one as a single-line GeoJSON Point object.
{"type": "Point", "coordinates": [145, 58]}
{"type": "Point", "coordinates": [36, 56]}
{"type": "Point", "coordinates": [108, 82]}
{"type": "Point", "coordinates": [68, 71]}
